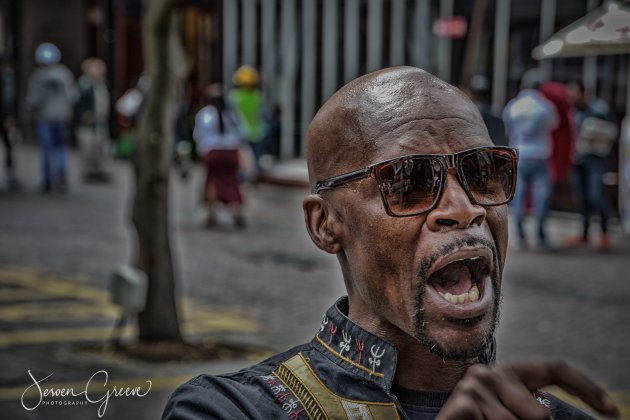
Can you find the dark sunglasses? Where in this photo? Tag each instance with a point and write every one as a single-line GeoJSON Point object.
{"type": "Point", "coordinates": [411, 185]}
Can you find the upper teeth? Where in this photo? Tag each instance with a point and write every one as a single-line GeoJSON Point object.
{"type": "Point", "coordinates": [470, 296]}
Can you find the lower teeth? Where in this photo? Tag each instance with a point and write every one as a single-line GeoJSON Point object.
{"type": "Point", "coordinates": [471, 296]}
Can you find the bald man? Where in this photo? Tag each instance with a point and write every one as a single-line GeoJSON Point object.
{"type": "Point", "coordinates": [410, 194]}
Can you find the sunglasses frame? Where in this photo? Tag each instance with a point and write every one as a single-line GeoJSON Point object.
{"type": "Point", "coordinates": [446, 161]}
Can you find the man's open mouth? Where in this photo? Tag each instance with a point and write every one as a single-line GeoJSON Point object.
{"type": "Point", "coordinates": [461, 280]}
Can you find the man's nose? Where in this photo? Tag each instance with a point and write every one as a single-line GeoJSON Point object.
{"type": "Point", "coordinates": [455, 210]}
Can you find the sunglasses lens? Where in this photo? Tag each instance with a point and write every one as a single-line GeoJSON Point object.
{"type": "Point", "coordinates": [410, 186]}
{"type": "Point", "coordinates": [489, 175]}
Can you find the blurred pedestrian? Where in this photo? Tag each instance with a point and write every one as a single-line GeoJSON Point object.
{"type": "Point", "coordinates": [480, 90]}
{"type": "Point", "coordinates": [273, 129]}
{"type": "Point", "coordinates": [92, 118]}
{"type": "Point", "coordinates": [7, 120]}
{"type": "Point", "coordinates": [218, 140]}
{"type": "Point", "coordinates": [597, 132]}
{"type": "Point", "coordinates": [246, 101]}
{"type": "Point", "coordinates": [128, 108]}
{"type": "Point", "coordinates": [184, 152]}
{"type": "Point", "coordinates": [563, 145]}
{"type": "Point", "coordinates": [50, 101]}
{"type": "Point", "coordinates": [530, 119]}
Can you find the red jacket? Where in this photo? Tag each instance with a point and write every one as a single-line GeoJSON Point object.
{"type": "Point", "coordinates": [564, 135]}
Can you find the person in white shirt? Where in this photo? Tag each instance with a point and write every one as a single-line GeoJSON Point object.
{"type": "Point", "coordinates": [218, 140]}
{"type": "Point", "coordinates": [529, 121]}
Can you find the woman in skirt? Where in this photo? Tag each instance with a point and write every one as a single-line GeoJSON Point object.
{"type": "Point", "coordinates": [218, 140]}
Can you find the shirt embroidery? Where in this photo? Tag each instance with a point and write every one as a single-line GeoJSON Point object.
{"type": "Point", "coordinates": [320, 402]}
{"type": "Point", "coordinates": [344, 340]}
{"type": "Point", "coordinates": [284, 396]}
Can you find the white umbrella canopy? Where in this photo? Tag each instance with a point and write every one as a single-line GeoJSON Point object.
{"type": "Point", "coordinates": [605, 30]}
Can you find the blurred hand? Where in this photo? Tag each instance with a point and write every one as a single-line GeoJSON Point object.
{"type": "Point", "coordinates": [505, 391]}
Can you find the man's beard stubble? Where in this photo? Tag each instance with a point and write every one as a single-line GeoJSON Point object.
{"type": "Point", "coordinates": [421, 331]}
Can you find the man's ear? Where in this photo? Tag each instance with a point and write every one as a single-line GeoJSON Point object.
{"type": "Point", "coordinates": [321, 224]}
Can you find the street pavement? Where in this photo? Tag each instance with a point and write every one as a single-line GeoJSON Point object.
{"type": "Point", "coordinates": [265, 287]}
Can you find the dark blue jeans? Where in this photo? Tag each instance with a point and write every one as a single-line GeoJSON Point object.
{"type": "Point", "coordinates": [259, 148]}
{"type": "Point", "coordinates": [589, 190]}
{"type": "Point", "coordinates": [534, 174]}
{"type": "Point", "coordinates": [53, 140]}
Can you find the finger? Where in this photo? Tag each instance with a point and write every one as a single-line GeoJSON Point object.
{"type": "Point", "coordinates": [460, 407]}
{"type": "Point", "coordinates": [519, 399]}
{"type": "Point", "coordinates": [502, 395]}
{"type": "Point", "coordinates": [541, 374]}
{"type": "Point", "coordinates": [495, 409]}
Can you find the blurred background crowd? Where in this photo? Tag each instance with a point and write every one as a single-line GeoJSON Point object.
{"type": "Point", "coordinates": [274, 62]}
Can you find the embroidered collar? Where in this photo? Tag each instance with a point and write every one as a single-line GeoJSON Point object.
{"type": "Point", "coordinates": [354, 348]}
{"type": "Point", "coordinates": [362, 352]}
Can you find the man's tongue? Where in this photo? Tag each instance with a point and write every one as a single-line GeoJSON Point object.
{"type": "Point", "coordinates": [455, 279]}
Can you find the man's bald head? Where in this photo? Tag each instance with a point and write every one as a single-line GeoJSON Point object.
{"type": "Point", "coordinates": [348, 129]}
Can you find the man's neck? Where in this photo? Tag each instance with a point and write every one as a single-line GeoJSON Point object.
{"type": "Point", "coordinates": [419, 369]}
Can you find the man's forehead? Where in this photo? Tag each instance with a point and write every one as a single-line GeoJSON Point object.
{"type": "Point", "coordinates": [390, 106]}
{"type": "Point", "coordinates": [393, 86]}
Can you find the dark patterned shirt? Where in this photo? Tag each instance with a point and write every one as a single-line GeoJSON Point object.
{"type": "Point", "coordinates": [344, 372]}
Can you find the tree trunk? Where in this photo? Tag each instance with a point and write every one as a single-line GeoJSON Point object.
{"type": "Point", "coordinates": [152, 159]}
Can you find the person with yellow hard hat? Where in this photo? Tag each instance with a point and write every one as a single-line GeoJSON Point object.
{"type": "Point", "coordinates": [246, 101]}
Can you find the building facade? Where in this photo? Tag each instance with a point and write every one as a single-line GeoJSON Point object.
{"type": "Point", "coordinates": [306, 50]}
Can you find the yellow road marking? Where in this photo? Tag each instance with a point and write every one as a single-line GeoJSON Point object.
{"type": "Point", "coordinates": [23, 294]}
{"type": "Point", "coordinates": [53, 286]}
{"type": "Point", "coordinates": [35, 279]}
{"type": "Point", "coordinates": [90, 302]}
{"type": "Point", "coordinates": [53, 311]}
{"type": "Point", "coordinates": [40, 336]}
{"type": "Point", "coordinates": [219, 323]}
{"type": "Point", "coordinates": [195, 321]}
{"type": "Point", "coordinates": [65, 335]}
